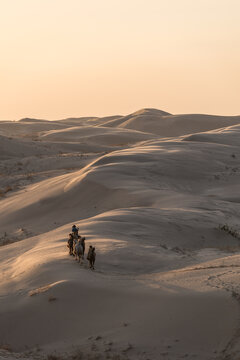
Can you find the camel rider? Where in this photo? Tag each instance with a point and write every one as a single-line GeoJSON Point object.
{"type": "Point", "coordinates": [75, 231]}
{"type": "Point", "coordinates": [70, 244]}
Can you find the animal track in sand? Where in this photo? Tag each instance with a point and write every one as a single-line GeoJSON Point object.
{"type": "Point", "coordinates": [232, 348]}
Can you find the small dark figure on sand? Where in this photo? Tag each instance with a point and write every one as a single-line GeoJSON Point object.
{"type": "Point", "coordinates": [70, 244]}
{"type": "Point", "coordinates": [91, 256]}
{"type": "Point", "coordinates": [83, 244]}
{"type": "Point", "coordinates": [75, 230]}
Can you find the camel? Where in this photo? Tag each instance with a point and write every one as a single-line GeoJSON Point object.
{"type": "Point", "coordinates": [78, 251]}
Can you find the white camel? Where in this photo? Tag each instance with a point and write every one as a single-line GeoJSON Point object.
{"type": "Point", "coordinates": [79, 252]}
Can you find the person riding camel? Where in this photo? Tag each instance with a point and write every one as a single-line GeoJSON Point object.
{"type": "Point", "coordinates": [75, 231]}
{"type": "Point", "coordinates": [70, 244]}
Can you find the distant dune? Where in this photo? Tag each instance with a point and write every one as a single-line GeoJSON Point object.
{"type": "Point", "coordinates": [167, 125]}
{"type": "Point", "coordinates": [228, 136]}
{"type": "Point", "coordinates": [96, 134]}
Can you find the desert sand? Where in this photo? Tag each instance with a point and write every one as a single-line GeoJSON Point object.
{"type": "Point", "coordinates": [158, 196]}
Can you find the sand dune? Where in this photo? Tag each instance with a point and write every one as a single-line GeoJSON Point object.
{"type": "Point", "coordinates": [152, 121]}
{"type": "Point", "coordinates": [157, 195]}
{"type": "Point", "coordinates": [85, 121]}
{"type": "Point", "coordinates": [99, 135]}
{"type": "Point", "coordinates": [228, 136]}
{"type": "Point", "coordinates": [141, 175]}
{"type": "Point", "coordinates": [29, 128]}
{"type": "Point", "coordinates": [167, 125]}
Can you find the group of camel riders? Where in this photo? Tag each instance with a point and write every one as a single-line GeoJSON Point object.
{"type": "Point", "coordinates": [76, 245]}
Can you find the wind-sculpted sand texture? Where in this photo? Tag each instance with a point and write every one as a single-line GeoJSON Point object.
{"type": "Point", "coordinates": [158, 196]}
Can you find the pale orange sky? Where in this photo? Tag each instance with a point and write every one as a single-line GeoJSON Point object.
{"type": "Point", "coordinates": [64, 58]}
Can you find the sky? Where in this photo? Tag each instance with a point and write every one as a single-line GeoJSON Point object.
{"type": "Point", "coordinates": [72, 58]}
